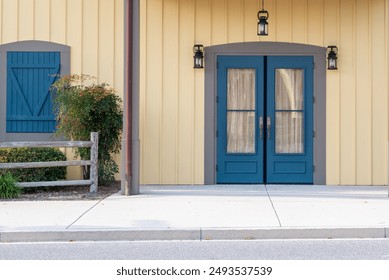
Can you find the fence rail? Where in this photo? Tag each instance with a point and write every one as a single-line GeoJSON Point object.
{"type": "Point", "coordinates": [92, 144]}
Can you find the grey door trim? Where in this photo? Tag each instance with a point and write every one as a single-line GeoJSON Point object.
{"type": "Point", "coordinates": [29, 46]}
{"type": "Point", "coordinates": [266, 49]}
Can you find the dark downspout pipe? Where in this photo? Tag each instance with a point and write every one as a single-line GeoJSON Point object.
{"type": "Point", "coordinates": [129, 65]}
{"type": "Point", "coordinates": [131, 143]}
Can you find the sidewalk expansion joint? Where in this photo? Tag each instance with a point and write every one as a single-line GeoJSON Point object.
{"type": "Point", "coordinates": [83, 214]}
{"type": "Point", "coordinates": [272, 205]}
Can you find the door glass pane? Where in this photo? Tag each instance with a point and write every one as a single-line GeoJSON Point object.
{"type": "Point", "coordinates": [241, 89]}
{"type": "Point", "coordinates": [240, 132]}
{"type": "Point", "coordinates": [289, 89]}
{"type": "Point", "coordinates": [289, 132]}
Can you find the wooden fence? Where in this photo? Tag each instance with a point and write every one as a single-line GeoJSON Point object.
{"type": "Point", "coordinates": [93, 162]}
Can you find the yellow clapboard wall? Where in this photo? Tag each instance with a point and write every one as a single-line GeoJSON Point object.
{"type": "Point", "coordinates": [172, 92]}
{"type": "Point", "coordinates": [92, 28]}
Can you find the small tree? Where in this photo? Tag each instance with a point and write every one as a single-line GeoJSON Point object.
{"type": "Point", "coordinates": [82, 107]}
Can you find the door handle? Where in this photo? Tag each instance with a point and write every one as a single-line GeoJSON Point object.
{"type": "Point", "coordinates": [261, 127]}
{"type": "Point", "coordinates": [268, 127]}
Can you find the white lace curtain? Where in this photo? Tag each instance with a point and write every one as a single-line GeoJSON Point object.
{"type": "Point", "coordinates": [241, 111]}
{"type": "Point", "coordinates": [289, 110]}
{"type": "Point", "coordinates": [288, 123]}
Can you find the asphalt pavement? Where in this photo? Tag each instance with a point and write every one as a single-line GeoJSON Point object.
{"type": "Point", "coordinates": [217, 212]}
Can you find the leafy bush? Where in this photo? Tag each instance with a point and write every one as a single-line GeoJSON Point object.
{"type": "Point", "coordinates": [82, 107]}
{"type": "Point", "coordinates": [8, 187]}
{"type": "Point", "coordinates": [34, 155]}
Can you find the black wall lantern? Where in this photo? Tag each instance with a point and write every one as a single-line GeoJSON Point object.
{"type": "Point", "coordinates": [262, 29]}
{"type": "Point", "coordinates": [198, 58]}
{"type": "Point", "coordinates": [332, 58]}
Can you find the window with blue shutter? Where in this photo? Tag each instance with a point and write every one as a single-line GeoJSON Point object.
{"type": "Point", "coordinates": [29, 104]}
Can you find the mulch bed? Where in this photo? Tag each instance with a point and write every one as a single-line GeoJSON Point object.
{"type": "Point", "coordinates": [66, 193]}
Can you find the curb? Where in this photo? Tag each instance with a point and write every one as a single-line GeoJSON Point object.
{"type": "Point", "coordinates": [198, 234]}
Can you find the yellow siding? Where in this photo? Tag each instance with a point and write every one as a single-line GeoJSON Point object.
{"type": "Point", "coordinates": [118, 61]}
{"type": "Point", "coordinates": [299, 19]}
{"type": "Point", "coordinates": [331, 37]}
{"type": "Point", "coordinates": [153, 96]}
{"type": "Point", "coordinates": [218, 22]}
{"type": "Point", "coordinates": [347, 92]}
{"type": "Point", "coordinates": [235, 20]}
{"type": "Point", "coordinates": [203, 36]}
{"type": "Point", "coordinates": [172, 92]}
{"type": "Point", "coordinates": [58, 21]}
{"type": "Point", "coordinates": [282, 24]}
{"type": "Point", "coordinates": [10, 22]}
{"type": "Point", "coordinates": [316, 22]}
{"type": "Point", "coordinates": [186, 94]}
{"type": "Point", "coordinates": [250, 10]}
{"type": "Point", "coordinates": [144, 87]}
{"type": "Point", "coordinates": [26, 19]}
{"type": "Point", "coordinates": [363, 94]}
{"type": "Point", "coordinates": [170, 97]}
{"type": "Point", "coordinates": [379, 91]}
{"type": "Point", "coordinates": [1, 20]}
{"type": "Point", "coordinates": [92, 28]}
{"type": "Point", "coordinates": [42, 19]}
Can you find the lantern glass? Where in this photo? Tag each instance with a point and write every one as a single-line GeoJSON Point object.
{"type": "Point", "coordinates": [262, 27]}
{"type": "Point", "coordinates": [332, 63]}
{"type": "Point", "coordinates": [198, 62]}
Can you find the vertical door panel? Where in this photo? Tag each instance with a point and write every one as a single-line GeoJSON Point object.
{"type": "Point", "coordinates": [240, 108]}
{"type": "Point", "coordinates": [289, 152]}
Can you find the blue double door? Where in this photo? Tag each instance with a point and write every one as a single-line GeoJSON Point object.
{"type": "Point", "coordinates": [265, 119]}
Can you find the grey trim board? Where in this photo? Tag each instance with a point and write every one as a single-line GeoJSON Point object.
{"type": "Point", "coordinates": [265, 49]}
{"type": "Point", "coordinates": [29, 46]}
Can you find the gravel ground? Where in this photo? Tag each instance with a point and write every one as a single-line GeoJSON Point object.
{"type": "Point", "coordinates": [67, 193]}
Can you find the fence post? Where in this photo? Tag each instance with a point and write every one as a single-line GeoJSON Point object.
{"type": "Point", "coordinates": [94, 174]}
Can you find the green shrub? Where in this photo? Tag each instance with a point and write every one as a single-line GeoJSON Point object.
{"type": "Point", "coordinates": [34, 155]}
{"type": "Point", "coordinates": [82, 107]}
{"type": "Point", "coordinates": [8, 187]}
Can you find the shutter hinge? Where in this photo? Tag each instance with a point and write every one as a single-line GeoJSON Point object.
{"type": "Point", "coordinates": [314, 134]}
{"type": "Point", "coordinates": [217, 99]}
{"type": "Point", "coordinates": [217, 167]}
{"type": "Point", "coordinates": [313, 65]}
{"type": "Point", "coordinates": [217, 133]}
{"type": "Point", "coordinates": [313, 168]}
{"type": "Point", "coordinates": [313, 99]}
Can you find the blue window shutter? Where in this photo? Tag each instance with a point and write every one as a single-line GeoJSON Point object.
{"type": "Point", "coordinates": [29, 104]}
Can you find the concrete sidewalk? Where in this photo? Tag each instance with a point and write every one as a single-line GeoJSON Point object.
{"type": "Point", "coordinates": [204, 212]}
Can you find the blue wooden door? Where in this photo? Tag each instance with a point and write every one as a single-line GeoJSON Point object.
{"type": "Point", "coordinates": [289, 121]}
{"type": "Point", "coordinates": [240, 111]}
{"type": "Point", "coordinates": [265, 119]}
{"type": "Point", "coordinates": [29, 77]}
